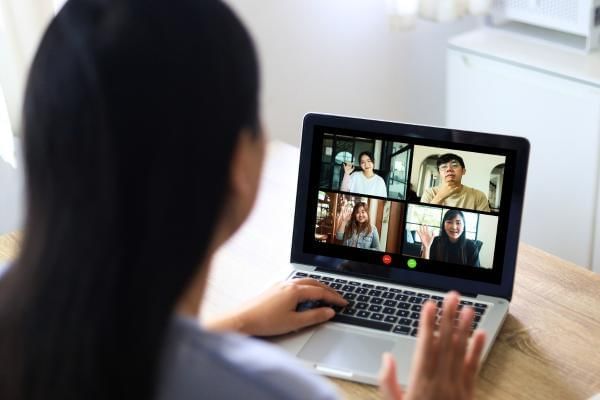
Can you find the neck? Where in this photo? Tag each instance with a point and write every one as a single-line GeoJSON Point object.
{"type": "Point", "coordinates": [190, 302]}
{"type": "Point", "coordinates": [453, 241]}
{"type": "Point", "coordinates": [369, 173]}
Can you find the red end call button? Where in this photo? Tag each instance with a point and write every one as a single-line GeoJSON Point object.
{"type": "Point", "coordinates": [387, 259]}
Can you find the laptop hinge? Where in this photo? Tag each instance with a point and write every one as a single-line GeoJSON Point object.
{"type": "Point", "coordinates": [389, 281]}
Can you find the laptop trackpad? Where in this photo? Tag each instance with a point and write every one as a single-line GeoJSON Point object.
{"type": "Point", "coordinates": [347, 351]}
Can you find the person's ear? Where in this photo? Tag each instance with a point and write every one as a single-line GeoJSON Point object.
{"type": "Point", "coordinates": [246, 168]}
{"type": "Point", "coordinates": [241, 163]}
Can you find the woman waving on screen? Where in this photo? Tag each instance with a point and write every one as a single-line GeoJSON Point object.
{"type": "Point", "coordinates": [354, 228]}
{"type": "Point", "coordinates": [365, 181]}
{"type": "Point", "coordinates": [451, 245]}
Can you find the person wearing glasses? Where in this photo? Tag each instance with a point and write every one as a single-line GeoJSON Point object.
{"type": "Point", "coordinates": [451, 192]}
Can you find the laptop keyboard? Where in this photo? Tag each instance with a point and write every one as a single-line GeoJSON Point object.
{"type": "Point", "coordinates": [381, 307]}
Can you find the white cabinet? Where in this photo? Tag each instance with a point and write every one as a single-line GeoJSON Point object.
{"type": "Point", "coordinates": [502, 83]}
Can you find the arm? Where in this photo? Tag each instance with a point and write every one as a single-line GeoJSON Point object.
{"type": "Point", "coordinates": [342, 220]}
{"type": "Point", "coordinates": [483, 204]}
{"type": "Point", "coordinates": [474, 258]}
{"type": "Point", "coordinates": [375, 242]}
{"type": "Point", "coordinates": [444, 365]}
{"type": "Point", "coordinates": [427, 196]}
{"type": "Point", "coordinates": [381, 188]}
{"type": "Point", "coordinates": [345, 186]}
{"type": "Point", "coordinates": [444, 191]}
{"type": "Point", "coordinates": [426, 241]}
{"type": "Point", "coordinates": [274, 312]}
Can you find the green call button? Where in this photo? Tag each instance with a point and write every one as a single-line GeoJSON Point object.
{"type": "Point", "coordinates": [412, 263]}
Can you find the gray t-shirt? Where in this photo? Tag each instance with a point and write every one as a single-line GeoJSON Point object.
{"type": "Point", "coordinates": [197, 364]}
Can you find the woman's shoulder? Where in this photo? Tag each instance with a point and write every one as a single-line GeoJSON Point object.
{"type": "Point", "coordinates": [471, 245]}
{"type": "Point", "coordinates": [199, 363]}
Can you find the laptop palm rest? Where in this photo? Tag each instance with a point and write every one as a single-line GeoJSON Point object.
{"type": "Point", "coordinates": [342, 350]}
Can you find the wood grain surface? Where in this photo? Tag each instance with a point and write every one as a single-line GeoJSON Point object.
{"type": "Point", "coordinates": [549, 346]}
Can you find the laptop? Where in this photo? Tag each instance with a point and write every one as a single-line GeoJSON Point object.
{"type": "Point", "coordinates": [393, 214]}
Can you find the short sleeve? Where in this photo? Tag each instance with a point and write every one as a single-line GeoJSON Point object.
{"type": "Point", "coordinates": [352, 187]}
{"type": "Point", "coordinates": [482, 203]}
{"type": "Point", "coordinates": [474, 256]}
{"type": "Point", "coordinates": [375, 242]}
{"type": "Point", "coordinates": [381, 189]}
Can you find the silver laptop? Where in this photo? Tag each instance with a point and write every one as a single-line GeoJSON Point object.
{"type": "Point", "coordinates": [391, 215]}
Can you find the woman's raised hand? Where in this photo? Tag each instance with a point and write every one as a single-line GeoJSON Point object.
{"type": "Point", "coordinates": [426, 236]}
{"type": "Point", "coordinates": [346, 213]}
{"type": "Point", "coordinates": [444, 365]}
{"type": "Point", "coordinates": [348, 168]}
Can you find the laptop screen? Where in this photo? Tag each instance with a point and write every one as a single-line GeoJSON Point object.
{"type": "Point", "coordinates": [411, 201]}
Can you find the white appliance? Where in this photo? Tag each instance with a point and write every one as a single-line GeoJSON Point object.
{"type": "Point", "coordinates": [506, 83]}
{"type": "Point", "coordinates": [574, 23]}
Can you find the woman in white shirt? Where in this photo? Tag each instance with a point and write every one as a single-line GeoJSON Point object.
{"type": "Point", "coordinates": [365, 181]}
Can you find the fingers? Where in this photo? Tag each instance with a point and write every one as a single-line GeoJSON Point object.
{"type": "Point", "coordinates": [312, 317]}
{"type": "Point", "coordinates": [461, 337]}
{"type": "Point", "coordinates": [447, 330]}
{"type": "Point", "coordinates": [426, 348]}
{"type": "Point", "coordinates": [472, 358]}
{"type": "Point", "coordinates": [310, 292]}
{"type": "Point", "coordinates": [312, 282]}
{"type": "Point", "coordinates": [313, 290]}
{"type": "Point", "coordinates": [387, 378]}
{"type": "Point", "coordinates": [422, 232]}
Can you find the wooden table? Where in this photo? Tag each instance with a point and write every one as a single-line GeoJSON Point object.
{"type": "Point", "coordinates": [549, 347]}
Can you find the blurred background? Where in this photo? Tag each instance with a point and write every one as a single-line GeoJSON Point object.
{"type": "Point", "coordinates": [527, 68]}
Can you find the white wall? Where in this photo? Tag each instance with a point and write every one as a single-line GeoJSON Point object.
{"type": "Point", "coordinates": [22, 23]}
{"type": "Point", "coordinates": [340, 56]}
{"type": "Point", "coordinates": [11, 187]}
{"type": "Point", "coordinates": [488, 228]}
{"type": "Point", "coordinates": [333, 56]}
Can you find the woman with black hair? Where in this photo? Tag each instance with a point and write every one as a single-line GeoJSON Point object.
{"type": "Point", "coordinates": [365, 180]}
{"type": "Point", "coordinates": [451, 245]}
{"type": "Point", "coordinates": [127, 103]}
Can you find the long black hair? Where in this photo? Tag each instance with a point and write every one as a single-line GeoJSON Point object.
{"type": "Point", "coordinates": [132, 112]}
{"type": "Point", "coordinates": [354, 227]}
{"type": "Point", "coordinates": [444, 240]}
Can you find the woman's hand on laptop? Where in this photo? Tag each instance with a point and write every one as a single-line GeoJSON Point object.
{"type": "Point", "coordinates": [275, 311]}
{"type": "Point", "coordinates": [444, 365]}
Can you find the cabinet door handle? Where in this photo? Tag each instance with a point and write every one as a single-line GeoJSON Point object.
{"type": "Point", "coordinates": [465, 60]}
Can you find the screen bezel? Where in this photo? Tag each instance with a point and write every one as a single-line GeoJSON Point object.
{"type": "Point", "coordinates": [517, 146]}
